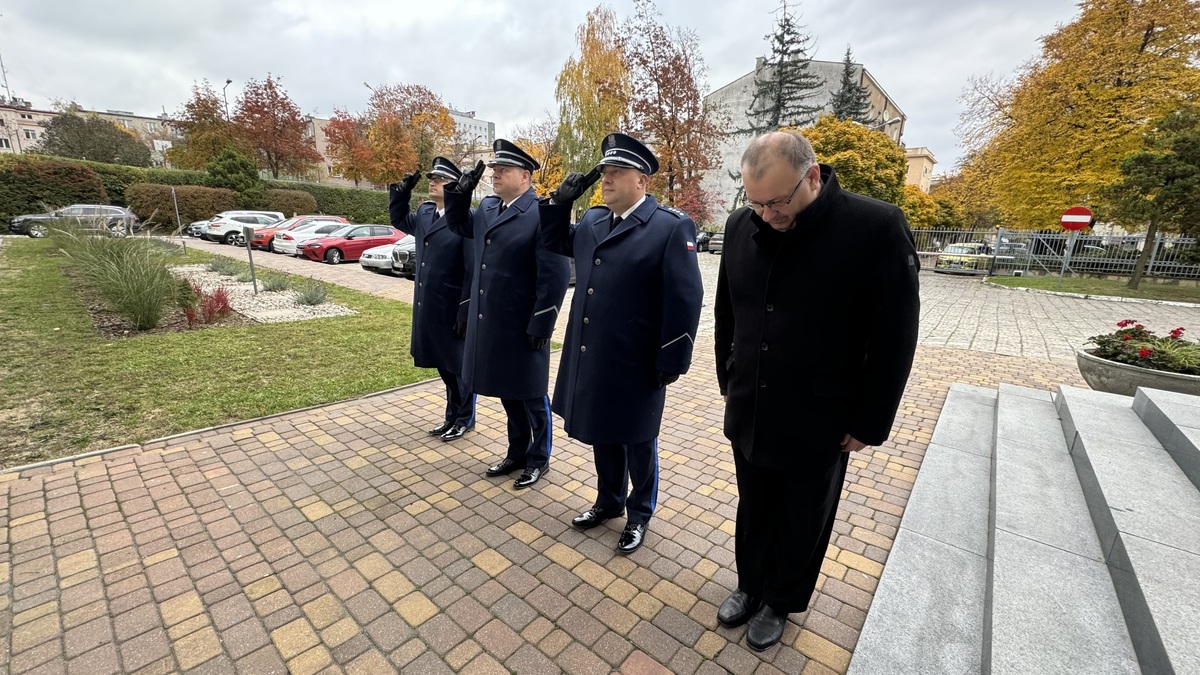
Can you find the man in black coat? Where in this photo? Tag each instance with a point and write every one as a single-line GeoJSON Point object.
{"type": "Point", "coordinates": [441, 292]}
{"type": "Point", "coordinates": [631, 331]}
{"type": "Point", "coordinates": [517, 292]}
{"type": "Point", "coordinates": [816, 326]}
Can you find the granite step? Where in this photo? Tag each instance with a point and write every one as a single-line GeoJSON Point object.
{"type": "Point", "coordinates": [1174, 419]}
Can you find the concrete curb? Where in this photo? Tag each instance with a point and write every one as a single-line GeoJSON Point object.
{"type": "Point", "coordinates": [1086, 296]}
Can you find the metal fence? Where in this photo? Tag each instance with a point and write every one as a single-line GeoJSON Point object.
{"type": "Point", "coordinates": [1008, 252]}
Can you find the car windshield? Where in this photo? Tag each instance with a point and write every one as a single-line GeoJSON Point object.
{"type": "Point", "coordinates": [283, 224]}
{"type": "Point", "coordinates": [960, 249]}
{"type": "Point", "coordinates": [309, 227]}
{"type": "Point", "coordinates": [341, 231]}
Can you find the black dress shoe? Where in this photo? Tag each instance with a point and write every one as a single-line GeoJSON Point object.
{"type": "Point", "coordinates": [631, 538]}
{"type": "Point", "coordinates": [765, 628]}
{"type": "Point", "coordinates": [738, 608]}
{"type": "Point", "coordinates": [454, 433]}
{"type": "Point", "coordinates": [506, 466]}
{"type": "Point", "coordinates": [593, 517]}
{"type": "Point", "coordinates": [531, 475]}
{"type": "Point", "coordinates": [441, 428]}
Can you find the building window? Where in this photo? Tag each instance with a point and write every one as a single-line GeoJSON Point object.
{"type": "Point", "coordinates": [152, 127]}
{"type": "Point", "coordinates": [26, 116]}
{"type": "Point", "coordinates": [30, 135]}
{"type": "Point", "coordinates": [4, 144]}
{"type": "Point", "coordinates": [127, 124]}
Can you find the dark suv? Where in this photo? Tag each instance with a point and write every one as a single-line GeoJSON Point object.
{"type": "Point", "coordinates": [115, 220]}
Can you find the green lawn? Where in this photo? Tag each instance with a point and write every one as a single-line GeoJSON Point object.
{"type": "Point", "coordinates": [64, 389]}
{"type": "Point", "coordinates": [1147, 289]}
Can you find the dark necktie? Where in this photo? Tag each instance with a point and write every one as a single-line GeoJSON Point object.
{"type": "Point", "coordinates": [502, 207]}
{"type": "Point", "coordinates": [615, 222]}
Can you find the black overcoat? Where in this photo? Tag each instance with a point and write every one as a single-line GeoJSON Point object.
{"type": "Point", "coordinates": [517, 290]}
{"type": "Point", "coordinates": [635, 311]}
{"type": "Point", "coordinates": [816, 327]}
{"type": "Point", "coordinates": [442, 287]}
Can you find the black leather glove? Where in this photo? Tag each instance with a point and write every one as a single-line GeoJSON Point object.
{"type": "Point", "coordinates": [470, 178]}
{"type": "Point", "coordinates": [460, 329]}
{"type": "Point", "coordinates": [536, 343]}
{"type": "Point", "coordinates": [573, 186]}
{"type": "Point", "coordinates": [666, 378]}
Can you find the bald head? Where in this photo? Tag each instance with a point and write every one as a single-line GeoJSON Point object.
{"type": "Point", "coordinates": [786, 147]}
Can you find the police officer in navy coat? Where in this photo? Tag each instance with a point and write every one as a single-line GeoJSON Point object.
{"type": "Point", "coordinates": [632, 326]}
{"type": "Point", "coordinates": [441, 294]}
{"type": "Point", "coordinates": [517, 292]}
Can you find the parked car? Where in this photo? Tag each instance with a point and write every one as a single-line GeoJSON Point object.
{"type": "Point", "coordinates": [972, 258]}
{"type": "Point", "coordinates": [404, 258]}
{"type": "Point", "coordinates": [379, 258]}
{"type": "Point", "coordinates": [115, 220]}
{"type": "Point", "coordinates": [716, 243]}
{"type": "Point", "coordinates": [264, 237]}
{"type": "Point", "coordinates": [702, 241]}
{"type": "Point", "coordinates": [289, 242]}
{"type": "Point", "coordinates": [224, 227]}
{"type": "Point", "coordinates": [349, 242]}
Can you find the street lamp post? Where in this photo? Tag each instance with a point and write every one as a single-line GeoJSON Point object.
{"type": "Point", "coordinates": [881, 125]}
{"type": "Point", "coordinates": [226, 96]}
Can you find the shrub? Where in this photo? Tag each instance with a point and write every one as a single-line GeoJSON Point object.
{"type": "Point", "coordinates": [33, 185]}
{"type": "Point", "coordinates": [131, 275]}
{"type": "Point", "coordinates": [291, 202]}
{"type": "Point", "coordinates": [1134, 344]}
{"type": "Point", "coordinates": [244, 276]}
{"type": "Point", "coordinates": [232, 171]}
{"type": "Point", "coordinates": [215, 305]}
{"type": "Point", "coordinates": [195, 203]}
{"type": "Point", "coordinates": [360, 206]}
{"type": "Point", "coordinates": [275, 282]}
{"type": "Point", "coordinates": [313, 292]}
{"type": "Point", "coordinates": [225, 266]}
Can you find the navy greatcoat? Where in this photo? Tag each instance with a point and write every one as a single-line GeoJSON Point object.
{"type": "Point", "coordinates": [635, 312]}
{"type": "Point", "coordinates": [441, 289]}
{"type": "Point", "coordinates": [517, 290]}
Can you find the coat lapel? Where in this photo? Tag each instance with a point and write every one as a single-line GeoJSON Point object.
{"type": "Point", "coordinates": [640, 215]}
{"type": "Point", "coordinates": [519, 206]}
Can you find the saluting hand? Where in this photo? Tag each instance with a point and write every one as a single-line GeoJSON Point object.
{"type": "Point", "coordinates": [573, 187]}
{"type": "Point", "coordinates": [470, 178]}
{"type": "Point", "coordinates": [410, 180]}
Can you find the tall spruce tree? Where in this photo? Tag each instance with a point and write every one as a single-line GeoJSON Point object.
{"type": "Point", "coordinates": [850, 101]}
{"type": "Point", "coordinates": [783, 85]}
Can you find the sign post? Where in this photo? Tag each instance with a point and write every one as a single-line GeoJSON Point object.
{"type": "Point", "coordinates": [248, 233]}
{"type": "Point", "coordinates": [1073, 219]}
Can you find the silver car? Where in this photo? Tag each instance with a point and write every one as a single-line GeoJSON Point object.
{"type": "Point", "coordinates": [379, 258]}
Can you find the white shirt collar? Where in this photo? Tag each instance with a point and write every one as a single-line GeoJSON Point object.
{"type": "Point", "coordinates": [633, 208]}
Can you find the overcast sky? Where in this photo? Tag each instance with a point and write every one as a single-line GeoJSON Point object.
{"type": "Point", "coordinates": [497, 57]}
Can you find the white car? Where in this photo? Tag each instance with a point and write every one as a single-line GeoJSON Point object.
{"type": "Point", "coordinates": [289, 241]}
{"type": "Point", "coordinates": [224, 227]}
{"type": "Point", "coordinates": [379, 258]}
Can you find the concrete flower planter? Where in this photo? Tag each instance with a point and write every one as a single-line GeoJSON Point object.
{"type": "Point", "coordinates": [1122, 378]}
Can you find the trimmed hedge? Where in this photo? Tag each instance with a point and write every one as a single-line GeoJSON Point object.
{"type": "Point", "coordinates": [360, 206]}
{"type": "Point", "coordinates": [36, 185]}
{"type": "Point", "coordinates": [291, 202]}
{"type": "Point", "coordinates": [195, 202]}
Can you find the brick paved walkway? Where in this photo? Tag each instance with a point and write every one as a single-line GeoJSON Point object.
{"type": "Point", "coordinates": [343, 539]}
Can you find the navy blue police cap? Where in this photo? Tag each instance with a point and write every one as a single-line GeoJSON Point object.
{"type": "Point", "coordinates": [626, 151]}
{"type": "Point", "coordinates": [508, 154]}
{"type": "Point", "coordinates": [444, 168]}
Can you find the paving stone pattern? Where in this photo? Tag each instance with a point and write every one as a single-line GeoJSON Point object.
{"type": "Point", "coordinates": [345, 540]}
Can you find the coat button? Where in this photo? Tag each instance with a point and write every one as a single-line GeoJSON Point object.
{"type": "Point", "coordinates": [482, 267]}
{"type": "Point", "coordinates": [422, 264]}
{"type": "Point", "coordinates": [583, 348]}
{"type": "Point", "coordinates": [590, 291]}
{"type": "Point", "coordinates": [426, 243]}
{"type": "Point", "coordinates": [480, 316]}
{"type": "Point", "coordinates": [585, 319]}
{"type": "Point", "coordinates": [481, 291]}
{"type": "Point", "coordinates": [770, 307]}
{"type": "Point", "coordinates": [764, 346]}
{"type": "Point", "coordinates": [762, 384]}
{"type": "Point", "coordinates": [487, 241]}
{"type": "Point", "coordinates": [420, 285]}
{"type": "Point", "coordinates": [418, 304]}
{"type": "Point", "coordinates": [597, 261]}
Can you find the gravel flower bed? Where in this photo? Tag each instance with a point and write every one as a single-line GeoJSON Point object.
{"type": "Point", "coordinates": [267, 306]}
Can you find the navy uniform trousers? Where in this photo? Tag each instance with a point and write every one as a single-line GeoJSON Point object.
{"type": "Point", "coordinates": [460, 401]}
{"type": "Point", "coordinates": [627, 478]}
{"type": "Point", "coordinates": [528, 430]}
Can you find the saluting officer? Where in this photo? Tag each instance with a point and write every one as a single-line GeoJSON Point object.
{"type": "Point", "coordinates": [442, 292]}
{"type": "Point", "coordinates": [517, 291]}
{"type": "Point", "coordinates": [631, 331]}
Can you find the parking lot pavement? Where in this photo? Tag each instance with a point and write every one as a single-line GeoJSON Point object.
{"type": "Point", "coordinates": [956, 311]}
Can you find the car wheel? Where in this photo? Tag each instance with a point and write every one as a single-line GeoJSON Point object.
{"type": "Point", "coordinates": [270, 246]}
{"type": "Point", "coordinates": [231, 238]}
{"type": "Point", "coordinates": [38, 230]}
{"type": "Point", "coordinates": [333, 256]}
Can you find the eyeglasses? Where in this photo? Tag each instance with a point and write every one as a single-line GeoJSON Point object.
{"type": "Point", "coordinates": [434, 179]}
{"type": "Point", "coordinates": [776, 204]}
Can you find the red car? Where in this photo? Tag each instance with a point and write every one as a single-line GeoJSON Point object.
{"type": "Point", "coordinates": [264, 237]}
{"type": "Point", "coordinates": [348, 243]}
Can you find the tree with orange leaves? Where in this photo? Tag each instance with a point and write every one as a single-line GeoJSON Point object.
{"type": "Point", "coordinates": [348, 146]}
{"type": "Point", "coordinates": [407, 126]}
{"type": "Point", "coordinates": [272, 125]}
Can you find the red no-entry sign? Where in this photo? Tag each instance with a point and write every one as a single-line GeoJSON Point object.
{"type": "Point", "coordinates": [1076, 217]}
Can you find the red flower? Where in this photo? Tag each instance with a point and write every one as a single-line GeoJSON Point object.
{"type": "Point", "coordinates": [1125, 322]}
{"type": "Point", "coordinates": [1125, 336]}
{"type": "Point", "coordinates": [1145, 353]}
{"type": "Point", "coordinates": [1139, 326]}
{"type": "Point", "coordinates": [1177, 333]}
